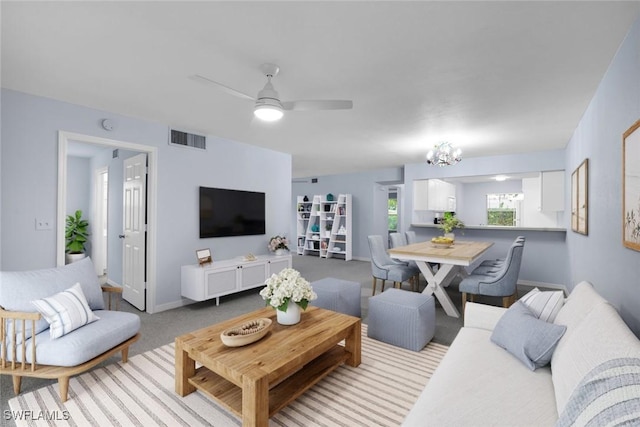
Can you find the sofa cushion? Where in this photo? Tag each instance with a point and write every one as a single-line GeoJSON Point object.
{"type": "Point", "coordinates": [83, 344]}
{"type": "Point", "coordinates": [479, 384]}
{"type": "Point", "coordinates": [545, 305]}
{"type": "Point", "coordinates": [19, 288]}
{"type": "Point", "coordinates": [528, 338]}
{"type": "Point", "coordinates": [601, 336]}
{"type": "Point", "coordinates": [608, 395]}
{"type": "Point", "coordinates": [577, 306]}
{"type": "Point", "coordinates": [65, 311]}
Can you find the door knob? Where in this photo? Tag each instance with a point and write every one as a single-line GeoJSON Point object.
{"type": "Point", "coordinates": [122, 236]}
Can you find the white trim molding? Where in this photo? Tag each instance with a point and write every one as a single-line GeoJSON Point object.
{"type": "Point", "coordinates": [152, 201]}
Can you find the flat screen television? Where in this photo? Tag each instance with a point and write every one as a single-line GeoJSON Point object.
{"type": "Point", "coordinates": [226, 212]}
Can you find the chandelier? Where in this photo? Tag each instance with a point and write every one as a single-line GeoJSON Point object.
{"type": "Point", "coordinates": [444, 154]}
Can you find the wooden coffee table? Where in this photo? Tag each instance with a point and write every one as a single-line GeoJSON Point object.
{"type": "Point", "coordinates": [257, 380]}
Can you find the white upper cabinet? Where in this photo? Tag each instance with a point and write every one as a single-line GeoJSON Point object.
{"type": "Point", "coordinates": [421, 195]}
{"type": "Point", "coordinates": [434, 195]}
{"type": "Point", "coordinates": [552, 191]}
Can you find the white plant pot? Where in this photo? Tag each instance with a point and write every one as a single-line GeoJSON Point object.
{"type": "Point", "coordinates": [291, 316]}
{"type": "Point", "coordinates": [280, 252]}
{"type": "Point", "coordinates": [71, 258]}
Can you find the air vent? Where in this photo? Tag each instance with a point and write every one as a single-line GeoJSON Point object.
{"type": "Point", "coordinates": [185, 139]}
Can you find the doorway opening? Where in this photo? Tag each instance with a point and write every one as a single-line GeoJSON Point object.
{"type": "Point", "coordinates": [64, 139]}
{"type": "Point", "coordinates": [100, 221]}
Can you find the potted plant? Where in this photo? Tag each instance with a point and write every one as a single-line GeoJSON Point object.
{"type": "Point", "coordinates": [76, 235]}
{"type": "Point", "coordinates": [450, 223]}
{"type": "Point", "coordinates": [279, 245]}
{"type": "Point", "coordinates": [285, 288]}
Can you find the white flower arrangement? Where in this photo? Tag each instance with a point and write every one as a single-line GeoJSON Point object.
{"type": "Point", "coordinates": [287, 286]}
{"type": "Point", "coordinates": [278, 242]}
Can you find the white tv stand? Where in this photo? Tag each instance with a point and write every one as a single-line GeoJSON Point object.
{"type": "Point", "coordinates": [219, 278]}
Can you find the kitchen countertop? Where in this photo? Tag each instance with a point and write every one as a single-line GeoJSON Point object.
{"type": "Point", "coordinates": [496, 227]}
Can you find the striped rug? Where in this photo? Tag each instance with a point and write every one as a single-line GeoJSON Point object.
{"type": "Point", "coordinates": [379, 392]}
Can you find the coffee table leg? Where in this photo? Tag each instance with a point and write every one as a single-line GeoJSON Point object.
{"type": "Point", "coordinates": [353, 344]}
{"type": "Point", "coordinates": [255, 399]}
{"type": "Point", "coordinates": [185, 369]}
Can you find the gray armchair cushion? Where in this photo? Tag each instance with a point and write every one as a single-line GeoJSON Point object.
{"type": "Point", "coordinates": [19, 288]}
{"type": "Point", "coordinates": [529, 339]}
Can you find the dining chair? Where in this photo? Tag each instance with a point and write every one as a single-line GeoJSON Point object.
{"type": "Point", "coordinates": [493, 263]}
{"type": "Point", "coordinates": [411, 237]}
{"type": "Point", "coordinates": [497, 283]}
{"type": "Point", "coordinates": [385, 268]}
{"type": "Point", "coordinates": [400, 239]}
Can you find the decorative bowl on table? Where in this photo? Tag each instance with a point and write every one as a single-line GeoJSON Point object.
{"type": "Point", "coordinates": [246, 333]}
{"type": "Point", "coordinates": [442, 242]}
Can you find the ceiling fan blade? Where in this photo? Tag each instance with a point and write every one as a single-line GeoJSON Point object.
{"type": "Point", "coordinates": [318, 105]}
{"type": "Point", "coordinates": [201, 79]}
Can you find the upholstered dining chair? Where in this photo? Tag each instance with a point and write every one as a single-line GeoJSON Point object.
{"type": "Point", "coordinates": [411, 237]}
{"type": "Point", "coordinates": [492, 263]}
{"type": "Point", "coordinates": [400, 239]}
{"type": "Point", "coordinates": [384, 267]}
{"type": "Point", "coordinates": [501, 282]}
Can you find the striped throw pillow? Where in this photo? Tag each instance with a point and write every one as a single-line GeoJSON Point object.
{"type": "Point", "coordinates": [544, 305]}
{"type": "Point", "coordinates": [65, 311]}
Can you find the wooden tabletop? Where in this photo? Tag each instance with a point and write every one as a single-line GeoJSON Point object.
{"type": "Point", "coordinates": [462, 252]}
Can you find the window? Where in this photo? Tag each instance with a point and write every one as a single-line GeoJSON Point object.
{"type": "Point", "coordinates": [392, 212]}
{"type": "Point", "coordinates": [503, 209]}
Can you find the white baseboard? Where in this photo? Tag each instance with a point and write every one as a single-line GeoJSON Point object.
{"type": "Point", "coordinates": [172, 305]}
{"type": "Point", "coordinates": [544, 285]}
{"type": "Point", "coordinates": [112, 283]}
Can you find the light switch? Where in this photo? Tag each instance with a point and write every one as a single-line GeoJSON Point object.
{"type": "Point", "coordinates": [44, 224]}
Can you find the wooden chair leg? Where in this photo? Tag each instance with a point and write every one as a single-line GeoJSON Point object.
{"type": "Point", "coordinates": [382, 289]}
{"type": "Point", "coordinates": [464, 302]}
{"type": "Point", "coordinates": [63, 383]}
{"type": "Point", "coordinates": [17, 381]}
{"type": "Point", "coordinates": [375, 281]}
{"type": "Point", "coordinates": [125, 354]}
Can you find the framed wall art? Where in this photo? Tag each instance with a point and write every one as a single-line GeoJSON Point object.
{"type": "Point", "coordinates": [580, 198]}
{"type": "Point", "coordinates": [631, 187]}
{"type": "Point", "coordinates": [204, 256]}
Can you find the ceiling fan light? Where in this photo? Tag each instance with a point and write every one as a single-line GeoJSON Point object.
{"type": "Point", "coordinates": [268, 109]}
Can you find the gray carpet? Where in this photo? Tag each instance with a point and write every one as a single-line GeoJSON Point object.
{"type": "Point", "coordinates": [161, 328]}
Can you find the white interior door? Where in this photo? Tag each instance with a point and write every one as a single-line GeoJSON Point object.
{"type": "Point", "coordinates": [134, 224]}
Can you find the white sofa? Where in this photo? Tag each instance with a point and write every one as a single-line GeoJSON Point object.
{"type": "Point", "coordinates": [479, 383]}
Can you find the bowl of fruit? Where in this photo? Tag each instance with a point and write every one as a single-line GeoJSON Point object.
{"type": "Point", "coordinates": [442, 242]}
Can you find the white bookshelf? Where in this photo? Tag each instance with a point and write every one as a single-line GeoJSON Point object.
{"type": "Point", "coordinates": [324, 227]}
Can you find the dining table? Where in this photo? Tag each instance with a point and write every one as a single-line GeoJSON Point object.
{"type": "Point", "coordinates": [451, 259]}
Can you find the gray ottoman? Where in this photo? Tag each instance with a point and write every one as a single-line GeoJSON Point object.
{"type": "Point", "coordinates": [338, 295]}
{"type": "Point", "coordinates": [402, 318]}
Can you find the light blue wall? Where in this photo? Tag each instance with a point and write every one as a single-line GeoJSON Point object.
{"type": "Point", "coordinates": [29, 185]}
{"type": "Point", "coordinates": [600, 256]}
{"type": "Point", "coordinates": [369, 198]}
{"type": "Point", "coordinates": [79, 190]}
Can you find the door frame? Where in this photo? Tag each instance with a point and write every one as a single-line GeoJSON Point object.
{"type": "Point", "coordinates": [152, 155]}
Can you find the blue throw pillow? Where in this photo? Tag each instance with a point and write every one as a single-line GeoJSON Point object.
{"type": "Point", "coordinates": [528, 338]}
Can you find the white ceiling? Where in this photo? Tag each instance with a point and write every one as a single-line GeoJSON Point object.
{"type": "Point", "coordinates": [490, 77]}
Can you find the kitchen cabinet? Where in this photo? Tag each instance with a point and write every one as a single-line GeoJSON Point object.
{"type": "Point", "coordinates": [434, 195]}
{"type": "Point", "coordinates": [552, 191]}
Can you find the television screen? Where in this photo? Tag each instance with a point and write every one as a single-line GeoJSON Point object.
{"type": "Point", "coordinates": [226, 212]}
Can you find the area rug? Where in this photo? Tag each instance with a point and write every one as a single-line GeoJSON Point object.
{"type": "Point", "coordinates": [379, 392]}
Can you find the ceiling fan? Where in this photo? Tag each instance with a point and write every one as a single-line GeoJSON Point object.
{"type": "Point", "coordinates": [268, 106]}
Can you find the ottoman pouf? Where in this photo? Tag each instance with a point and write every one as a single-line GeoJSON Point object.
{"type": "Point", "coordinates": [338, 295]}
{"type": "Point", "coordinates": [402, 318]}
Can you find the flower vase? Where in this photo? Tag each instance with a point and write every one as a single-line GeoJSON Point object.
{"type": "Point", "coordinates": [291, 316]}
{"type": "Point", "coordinates": [280, 252]}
